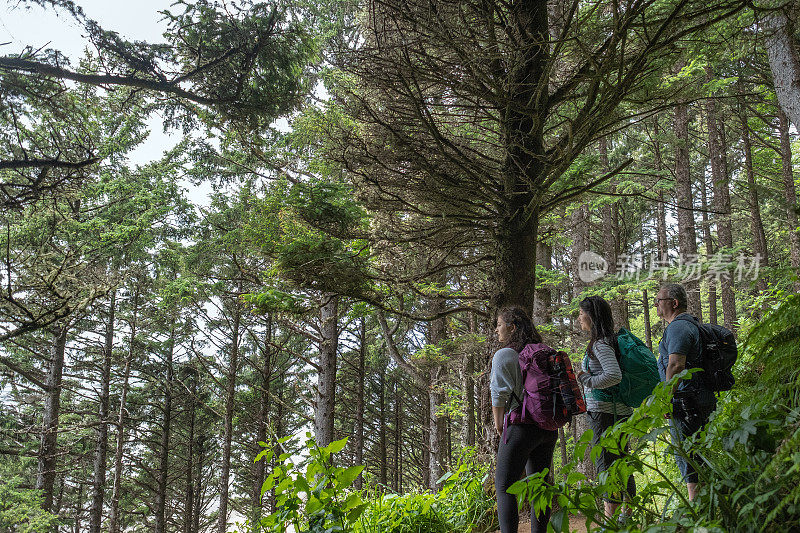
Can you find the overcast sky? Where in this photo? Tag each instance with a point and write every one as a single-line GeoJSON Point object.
{"type": "Point", "coordinates": [133, 20]}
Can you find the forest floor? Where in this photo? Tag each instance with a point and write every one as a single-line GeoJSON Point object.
{"type": "Point", "coordinates": [576, 523]}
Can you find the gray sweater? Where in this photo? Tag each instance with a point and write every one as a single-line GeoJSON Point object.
{"type": "Point", "coordinates": [602, 372]}
{"type": "Point", "coordinates": [506, 378]}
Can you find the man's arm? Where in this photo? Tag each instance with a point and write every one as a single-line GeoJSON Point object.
{"type": "Point", "coordinates": [676, 364]}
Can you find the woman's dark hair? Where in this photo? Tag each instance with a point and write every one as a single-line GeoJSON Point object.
{"type": "Point", "coordinates": [599, 312]}
{"type": "Point", "coordinates": [524, 330]}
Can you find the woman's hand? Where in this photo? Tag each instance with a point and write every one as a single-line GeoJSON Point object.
{"type": "Point", "coordinates": [578, 374]}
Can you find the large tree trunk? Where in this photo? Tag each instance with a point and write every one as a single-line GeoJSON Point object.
{"type": "Point", "coordinates": [687, 238]}
{"type": "Point", "coordinates": [515, 266]}
{"type": "Point", "coordinates": [790, 195]}
{"type": "Point", "coordinates": [163, 452]}
{"type": "Point", "coordinates": [101, 448]}
{"type": "Point", "coordinates": [46, 472]}
{"type": "Point", "coordinates": [784, 61]}
{"type": "Point", "coordinates": [722, 204]}
{"type": "Point", "coordinates": [230, 397]}
{"type": "Point", "coordinates": [326, 380]}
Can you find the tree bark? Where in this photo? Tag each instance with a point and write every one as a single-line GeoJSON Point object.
{"type": "Point", "coordinates": [188, 519]}
{"type": "Point", "coordinates": [358, 430]}
{"type": "Point", "coordinates": [382, 429]}
{"type": "Point", "coordinates": [784, 62]}
{"type": "Point", "coordinates": [114, 522]}
{"type": "Point", "coordinates": [398, 438]}
{"type": "Point", "coordinates": [790, 196]}
{"type": "Point", "coordinates": [756, 224]}
{"type": "Point", "coordinates": [687, 238]}
{"type": "Point", "coordinates": [101, 448]}
{"type": "Point", "coordinates": [612, 245]}
{"type": "Point", "coordinates": [708, 240]}
{"type": "Point", "coordinates": [437, 332]}
{"type": "Point", "coordinates": [722, 204]}
{"type": "Point", "coordinates": [166, 427]}
{"type": "Point", "coordinates": [661, 210]}
{"type": "Point", "coordinates": [230, 398]}
{"type": "Point", "coordinates": [326, 380]}
{"type": "Point", "coordinates": [46, 472]}
{"type": "Point", "coordinates": [263, 420]}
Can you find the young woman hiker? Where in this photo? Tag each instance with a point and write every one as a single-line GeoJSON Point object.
{"type": "Point", "coordinates": [524, 447]}
{"type": "Point", "coordinates": [601, 370]}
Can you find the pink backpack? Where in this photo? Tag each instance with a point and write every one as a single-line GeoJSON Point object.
{"type": "Point", "coordinates": [551, 394]}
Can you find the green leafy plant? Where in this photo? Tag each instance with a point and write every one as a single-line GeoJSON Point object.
{"type": "Point", "coordinates": [462, 505]}
{"type": "Point", "coordinates": [312, 496]}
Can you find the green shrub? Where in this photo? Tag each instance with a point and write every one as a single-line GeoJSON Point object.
{"type": "Point", "coordinates": [462, 505]}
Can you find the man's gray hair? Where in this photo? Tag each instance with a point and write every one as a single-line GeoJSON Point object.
{"type": "Point", "coordinates": [678, 292]}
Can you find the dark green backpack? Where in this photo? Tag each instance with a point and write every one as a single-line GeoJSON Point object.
{"type": "Point", "coordinates": [639, 373]}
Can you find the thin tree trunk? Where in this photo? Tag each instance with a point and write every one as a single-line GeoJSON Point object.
{"type": "Point", "coordinates": [114, 522]}
{"type": "Point", "coordinates": [398, 438]}
{"type": "Point", "coordinates": [46, 472]}
{"type": "Point", "coordinates": [661, 210]}
{"type": "Point", "coordinates": [326, 381]}
{"type": "Point", "coordinates": [166, 427]}
{"type": "Point", "coordinates": [722, 204]}
{"type": "Point", "coordinates": [542, 304]}
{"type": "Point", "coordinates": [101, 448]}
{"type": "Point", "coordinates": [382, 438]}
{"type": "Point", "coordinates": [263, 421]}
{"type": "Point", "coordinates": [687, 238]}
{"type": "Point", "coordinates": [198, 502]}
{"type": "Point", "coordinates": [790, 196]}
{"type": "Point", "coordinates": [709, 243]}
{"type": "Point", "coordinates": [230, 398]}
{"type": "Point", "coordinates": [192, 376]}
{"type": "Point", "coordinates": [612, 245]}
{"type": "Point", "coordinates": [756, 224]}
{"type": "Point", "coordinates": [437, 332]}
{"type": "Point", "coordinates": [358, 431]}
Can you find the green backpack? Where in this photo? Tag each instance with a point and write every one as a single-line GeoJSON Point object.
{"type": "Point", "coordinates": [639, 373]}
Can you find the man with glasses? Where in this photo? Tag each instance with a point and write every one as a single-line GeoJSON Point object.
{"type": "Point", "coordinates": [681, 348]}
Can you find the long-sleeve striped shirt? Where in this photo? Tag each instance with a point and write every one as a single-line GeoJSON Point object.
{"type": "Point", "coordinates": [602, 372]}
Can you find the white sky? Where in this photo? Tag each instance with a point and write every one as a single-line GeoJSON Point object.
{"type": "Point", "coordinates": [133, 20]}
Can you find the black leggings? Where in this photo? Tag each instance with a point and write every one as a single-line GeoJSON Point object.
{"type": "Point", "coordinates": [528, 449]}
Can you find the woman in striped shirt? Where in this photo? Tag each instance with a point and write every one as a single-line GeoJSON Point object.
{"type": "Point", "coordinates": [599, 374]}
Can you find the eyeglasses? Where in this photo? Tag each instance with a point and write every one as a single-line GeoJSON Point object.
{"type": "Point", "coordinates": [656, 300]}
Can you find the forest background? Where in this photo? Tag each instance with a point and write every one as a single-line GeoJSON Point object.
{"type": "Point", "coordinates": [383, 177]}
